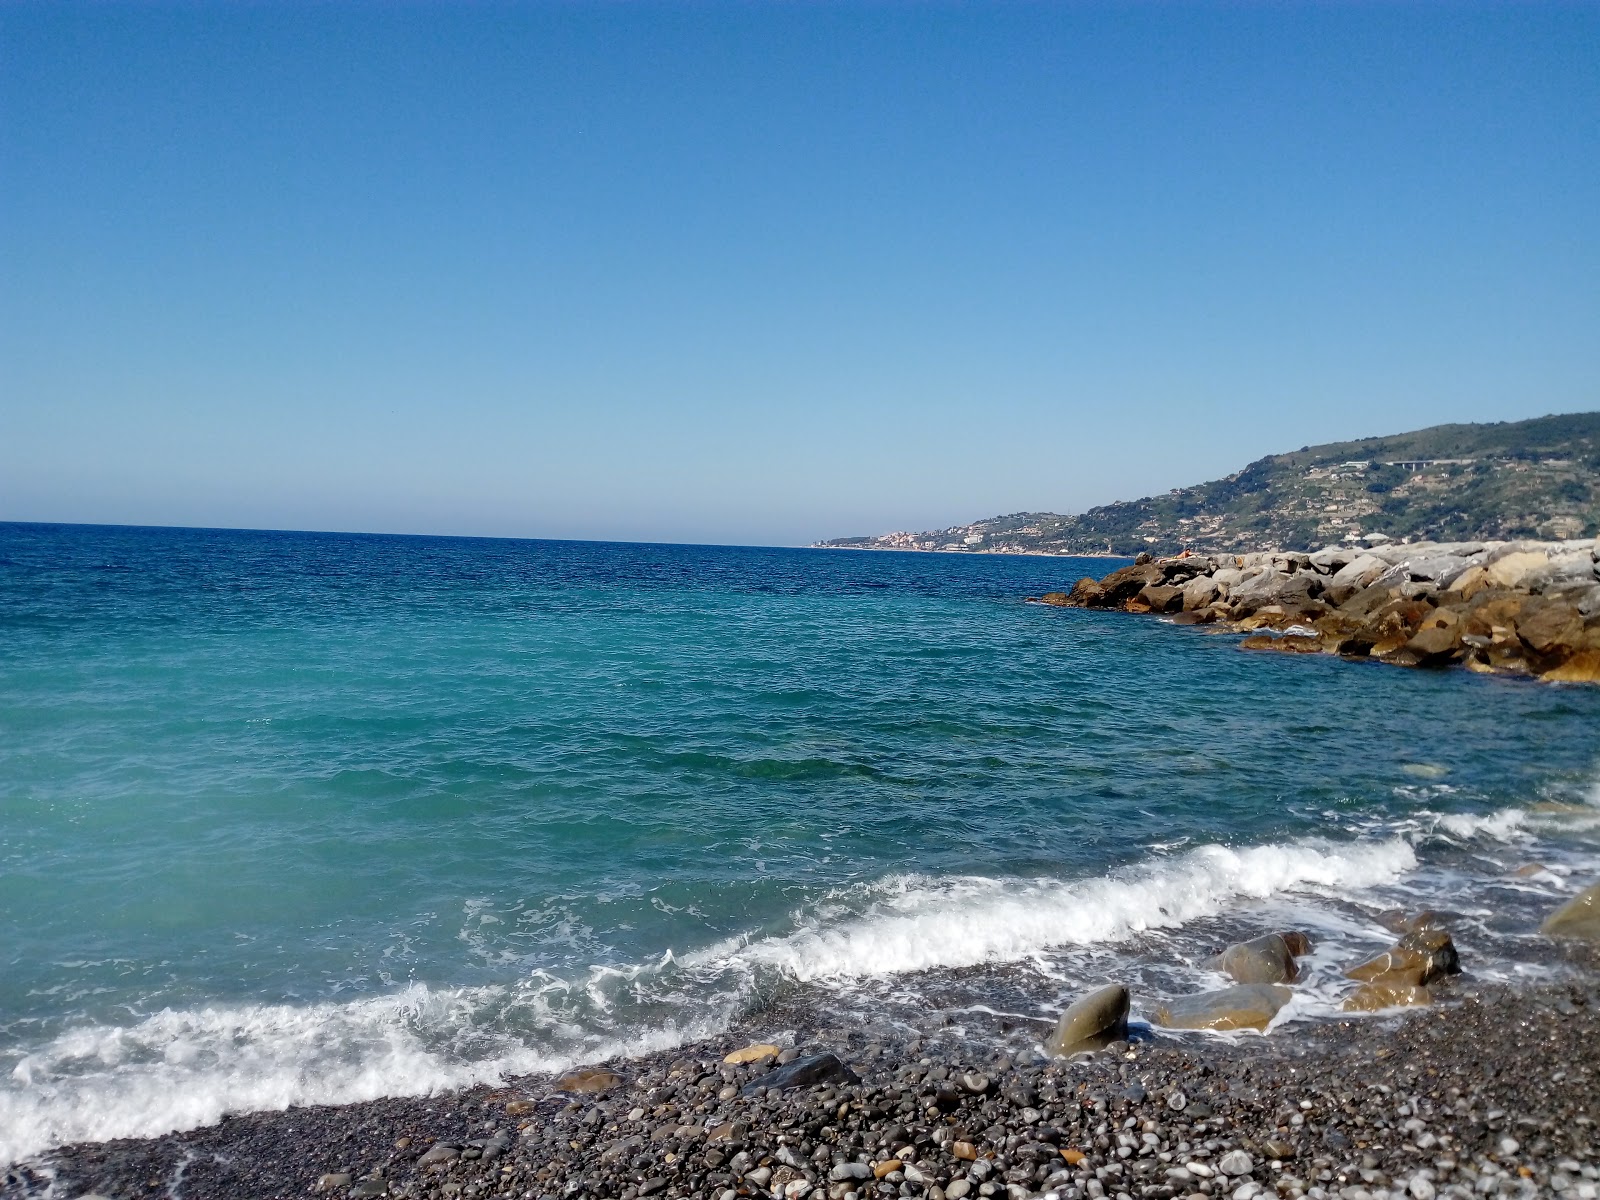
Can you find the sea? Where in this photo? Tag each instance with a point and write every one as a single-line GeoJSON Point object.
{"type": "Point", "coordinates": [300, 818]}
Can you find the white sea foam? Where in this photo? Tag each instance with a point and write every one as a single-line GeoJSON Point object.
{"type": "Point", "coordinates": [180, 1069]}
{"type": "Point", "coordinates": [1507, 825]}
{"type": "Point", "coordinates": [963, 922]}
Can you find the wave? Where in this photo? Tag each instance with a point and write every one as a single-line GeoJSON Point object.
{"type": "Point", "coordinates": [926, 923]}
{"type": "Point", "coordinates": [179, 1069]}
{"type": "Point", "coordinates": [182, 1069]}
{"type": "Point", "coordinates": [1507, 825]}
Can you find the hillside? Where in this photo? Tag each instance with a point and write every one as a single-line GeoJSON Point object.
{"type": "Point", "coordinates": [1510, 479]}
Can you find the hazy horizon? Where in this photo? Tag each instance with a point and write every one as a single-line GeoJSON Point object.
{"type": "Point", "coordinates": [755, 275]}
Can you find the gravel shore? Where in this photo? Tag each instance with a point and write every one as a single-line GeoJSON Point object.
{"type": "Point", "coordinates": [1492, 1091]}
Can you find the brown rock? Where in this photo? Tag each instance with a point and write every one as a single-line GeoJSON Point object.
{"type": "Point", "coordinates": [1088, 593]}
{"type": "Point", "coordinates": [1299, 943]}
{"type": "Point", "coordinates": [1582, 667]}
{"type": "Point", "coordinates": [1510, 569]}
{"type": "Point", "coordinates": [1091, 1021]}
{"type": "Point", "coordinates": [1547, 625]}
{"type": "Point", "coordinates": [1248, 1006]}
{"type": "Point", "coordinates": [1577, 918]}
{"type": "Point", "coordinates": [1288, 644]}
{"type": "Point", "coordinates": [1162, 597]}
{"type": "Point", "coordinates": [588, 1081]}
{"type": "Point", "coordinates": [1439, 635]}
{"type": "Point", "coordinates": [753, 1053]}
{"type": "Point", "coordinates": [1260, 960]}
{"type": "Point", "coordinates": [1125, 584]}
{"type": "Point", "coordinates": [1418, 958]}
{"type": "Point", "coordinates": [520, 1108]}
{"type": "Point", "coordinates": [1058, 599]}
{"type": "Point", "coordinates": [1470, 582]}
{"type": "Point", "coordinates": [963, 1150]}
{"type": "Point", "coordinates": [880, 1169]}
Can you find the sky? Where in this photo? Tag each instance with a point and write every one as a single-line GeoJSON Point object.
{"type": "Point", "coordinates": [768, 273]}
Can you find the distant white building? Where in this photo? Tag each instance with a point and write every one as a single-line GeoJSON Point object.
{"type": "Point", "coordinates": [974, 539]}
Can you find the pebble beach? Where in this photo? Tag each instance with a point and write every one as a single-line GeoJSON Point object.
{"type": "Point", "coordinates": [1490, 1092]}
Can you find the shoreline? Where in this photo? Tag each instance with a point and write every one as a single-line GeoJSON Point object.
{"type": "Point", "coordinates": [972, 553]}
{"type": "Point", "coordinates": [1490, 1091]}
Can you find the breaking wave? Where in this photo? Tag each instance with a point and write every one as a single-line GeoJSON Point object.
{"type": "Point", "coordinates": [181, 1069]}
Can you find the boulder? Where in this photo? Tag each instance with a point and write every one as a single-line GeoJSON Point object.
{"type": "Point", "coordinates": [1442, 569]}
{"type": "Point", "coordinates": [1299, 943]}
{"type": "Point", "coordinates": [1265, 959]}
{"type": "Point", "coordinates": [1372, 997]}
{"type": "Point", "coordinates": [1470, 582]}
{"type": "Point", "coordinates": [1545, 625]}
{"type": "Point", "coordinates": [1417, 959]}
{"type": "Point", "coordinates": [1582, 667]}
{"type": "Point", "coordinates": [1577, 918]}
{"type": "Point", "coordinates": [1509, 570]}
{"type": "Point", "coordinates": [1331, 559]}
{"type": "Point", "coordinates": [1274, 587]}
{"type": "Point", "coordinates": [803, 1072]}
{"type": "Point", "coordinates": [1199, 592]}
{"type": "Point", "coordinates": [1087, 593]}
{"type": "Point", "coordinates": [1125, 584]}
{"type": "Point", "coordinates": [1091, 1021]}
{"type": "Point", "coordinates": [1358, 573]}
{"type": "Point", "coordinates": [1248, 1006]}
{"type": "Point", "coordinates": [1161, 597]}
{"type": "Point", "coordinates": [1438, 637]}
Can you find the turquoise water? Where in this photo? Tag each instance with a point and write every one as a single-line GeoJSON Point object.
{"type": "Point", "coordinates": [297, 817]}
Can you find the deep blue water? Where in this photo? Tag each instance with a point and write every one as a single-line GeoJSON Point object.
{"type": "Point", "coordinates": [287, 817]}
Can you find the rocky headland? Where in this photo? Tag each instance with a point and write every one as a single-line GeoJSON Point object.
{"type": "Point", "coordinates": [1482, 1091]}
{"type": "Point", "coordinates": [1515, 608]}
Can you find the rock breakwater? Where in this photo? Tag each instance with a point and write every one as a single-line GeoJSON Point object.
{"type": "Point", "coordinates": [1514, 608]}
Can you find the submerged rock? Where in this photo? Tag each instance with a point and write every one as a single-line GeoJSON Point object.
{"type": "Point", "coordinates": [1416, 959]}
{"type": "Point", "coordinates": [1577, 918]}
{"type": "Point", "coordinates": [1372, 997]}
{"type": "Point", "coordinates": [1091, 1021]}
{"type": "Point", "coordinates": [1248, 1006]}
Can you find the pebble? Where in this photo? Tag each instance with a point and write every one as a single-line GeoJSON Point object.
{"type": "Point", "coordinates": [1235, 1162]}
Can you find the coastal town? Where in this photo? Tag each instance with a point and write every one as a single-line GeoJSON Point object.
{"type": "Point", "coordinates": [1534, 479]}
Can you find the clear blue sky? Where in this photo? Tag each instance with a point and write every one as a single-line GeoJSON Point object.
{"type": "Point", "coordinates": [768, 272]}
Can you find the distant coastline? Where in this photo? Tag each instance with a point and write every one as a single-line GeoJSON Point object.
{"type": "Point", "coordinates": [970, 553]}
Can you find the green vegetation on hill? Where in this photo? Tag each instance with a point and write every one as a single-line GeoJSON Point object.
{"type": "Point", "coordinates": [1534, 479]}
